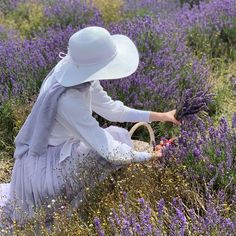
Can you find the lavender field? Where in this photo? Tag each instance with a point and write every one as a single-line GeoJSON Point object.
{"type": "Point", "coordinates": [187, 54]}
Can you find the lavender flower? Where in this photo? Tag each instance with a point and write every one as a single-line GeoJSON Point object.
{"type": "Point", "coordinates": [197, 152]}
{"type": "Point", "coordinates": [191, 103]}
{"type": "Point", "coordinates": [98, 227]}
{"type": "Point", "coordinates": [234, 121]}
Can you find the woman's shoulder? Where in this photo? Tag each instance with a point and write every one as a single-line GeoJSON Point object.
{"type": "Point", "coordinates": [80, 95]}
{"type": "Point", "coordinates": [73, 93]}
{"type": "Point", "coordinates": [76, 97]}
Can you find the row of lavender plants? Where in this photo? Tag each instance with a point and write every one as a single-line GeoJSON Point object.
{"type": "Point", "coordinates": [166, 61]}
{"type": "Point", "coordinates": [170, 65]}
{"type": "Point", "coordinates": [170, 218]}
{"type": "Point", "coordinates": [206, 158]}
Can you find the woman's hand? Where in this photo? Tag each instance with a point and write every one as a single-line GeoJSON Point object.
{"type": "Point", "coordinates": [170, 116]}
{"type": "Point", "coordinates": [164, 116]}
{"type": "Point", "coordinates": [157, 153]}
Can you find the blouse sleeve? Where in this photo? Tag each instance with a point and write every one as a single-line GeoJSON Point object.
{"type": "Point", "coordinates": [112, 110]}
{"type": "Point", "coordinates": [75, 115]}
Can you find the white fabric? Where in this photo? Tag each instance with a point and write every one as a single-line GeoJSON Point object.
{"type": "Point", "coordinates": [4, 193]}
{"type": "Point", "coordinates": [36, 181]}
{"type": "Point", "coordinates": [94, 54]}
{"type": "Point", "coordinates": [74, 121]}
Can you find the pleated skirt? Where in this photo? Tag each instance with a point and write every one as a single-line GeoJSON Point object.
{"type": "Point", "coordinates": [36, 181]}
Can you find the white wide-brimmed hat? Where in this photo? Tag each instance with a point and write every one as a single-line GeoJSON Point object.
{"type": "Point", "coordinates": [95, 54]}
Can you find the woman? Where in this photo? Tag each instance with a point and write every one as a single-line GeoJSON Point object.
{"type": "Point", "coordinates": [60, 138]}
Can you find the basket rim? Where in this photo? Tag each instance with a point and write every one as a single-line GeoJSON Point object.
{"type": "Point", "coordinates": [150, 131]}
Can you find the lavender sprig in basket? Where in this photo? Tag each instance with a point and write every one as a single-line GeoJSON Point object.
{"type": "Point", "coordinates": [191, 103]}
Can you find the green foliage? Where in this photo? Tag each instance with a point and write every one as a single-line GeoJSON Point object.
{"type": "Point", "coordinates": [12, 116]}
{"type": "Point", "coordinates": [6, 165]}
{"type": "Point", "coordinates": [218, 176]}
{"type": "Point", "coordinates": [140, 12]}
{"type": "Point", "coordinates": [166, 129]}
{"type": "Point", "coordinates": [27, 18]}
{"type": "Point", "coordinates": [190, 2]}
{"type": "Point", "coordinates": [215, 44]}
{"type": "Point", "coordinates": [3, 35]}
{"type": "Point", "coordinates": [151, 39]}
{"type": "Point", "coordinates": [144, 12]}
{"type": "Point", "coordinates": [34, 80]}
{"type": "Point", "coordinates": [111, 10]}
{"type": "Point", "coordinates": [7, 125]}
{"type": "Point", "coordinates": [225, 99]}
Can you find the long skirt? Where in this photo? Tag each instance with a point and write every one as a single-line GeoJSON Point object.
{"type": "Point", "coordinates": [36, 181]}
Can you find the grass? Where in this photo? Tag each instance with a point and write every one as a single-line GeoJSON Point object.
{"type": "Point", "coordinates": [225, 102]}
{"type": "Point", "coordinates": [137, 180]}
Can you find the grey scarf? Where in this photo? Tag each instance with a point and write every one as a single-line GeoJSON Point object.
{"type": "Point", "coordinates": [34, 134]}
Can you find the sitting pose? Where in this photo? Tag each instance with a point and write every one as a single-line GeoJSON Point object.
{"type": "Point", "coordinates": [61, 139]}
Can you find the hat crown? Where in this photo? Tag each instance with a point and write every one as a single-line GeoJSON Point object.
{"type": "Point", "coordinates": [91, 45]}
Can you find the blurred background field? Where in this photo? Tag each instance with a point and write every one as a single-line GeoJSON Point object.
{"type": "Point", "coordinates": [183, 45]}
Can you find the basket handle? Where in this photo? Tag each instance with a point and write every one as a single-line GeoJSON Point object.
{"type": "Point", "coordinates": [150, 131]}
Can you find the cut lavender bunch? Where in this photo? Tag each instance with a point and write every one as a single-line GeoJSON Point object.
{"type": "Point", "coordinates": [191, 103]}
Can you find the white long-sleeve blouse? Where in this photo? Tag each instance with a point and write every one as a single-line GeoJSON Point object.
{"type": "Point", "coordinates": [74, 121]}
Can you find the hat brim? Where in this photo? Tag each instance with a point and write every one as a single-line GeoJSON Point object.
{"type": "Point", "coordinates": [122, 65]}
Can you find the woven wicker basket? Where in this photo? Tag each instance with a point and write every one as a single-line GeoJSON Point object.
{"type": "Point", "coordinates": [141, 145]}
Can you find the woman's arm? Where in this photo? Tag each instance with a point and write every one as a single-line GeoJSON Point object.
{"type": "Point", "coordinates": [116, 111]}
{"type": "Point", "coordinates": [74, 114]}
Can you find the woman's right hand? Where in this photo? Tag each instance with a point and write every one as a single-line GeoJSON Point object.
{"type": "Point", "coordinates": [157, 153]}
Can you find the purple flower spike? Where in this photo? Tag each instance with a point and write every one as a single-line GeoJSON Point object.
{"type": "Point", "coordinates": [234, 121]}
{"type": "Point", "coordinates": [98, 227]}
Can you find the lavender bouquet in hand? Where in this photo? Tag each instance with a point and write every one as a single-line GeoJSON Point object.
{"type": "Point", "coordinates": [191, 103]}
